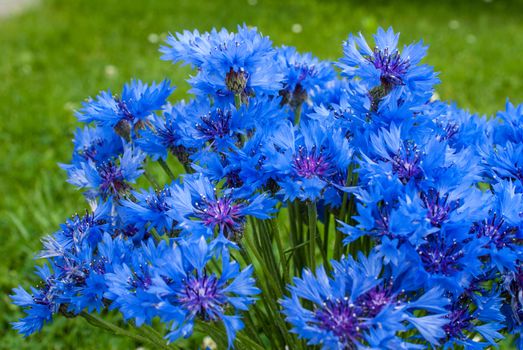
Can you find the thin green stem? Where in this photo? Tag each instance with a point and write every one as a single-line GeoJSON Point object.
{"type": "Point", "coordinates": [326, 233]}
{"type": "Point", "coordinates": [281, 253]}
{"type": "Point", "coordinates": [338, 239]}
{"type": "Point", "coordinates": [293, 236]}
{"type": "Point", "coordinates": [110, 327]}
{"type": "Point", "coordinates": [313, 217]}
{"type": "Point", "coordinates": [237, 100]}
{"type": "Point", "coordinates": [151, 179]}
{"type": "Point", "coordinates": [166, 168]}
{"type": "Point", "coordinates": [297, 115]}
{"type": "Point", "coordinates": [155, 337]}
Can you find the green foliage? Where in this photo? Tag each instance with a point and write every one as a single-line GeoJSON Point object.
{"type": "Point", "coordinates": [62, 51]}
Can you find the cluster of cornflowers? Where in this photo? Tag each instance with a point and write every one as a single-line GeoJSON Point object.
{"type": "Point", "coordinates": [290, 203]}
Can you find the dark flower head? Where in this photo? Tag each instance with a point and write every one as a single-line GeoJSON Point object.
{"type": "Point", "coordinates": [313, 163]}
{"type": "Point", "coordinates": [202, 297]}
{"type": "Point", "coordinates": [438, 206]}
{"type": "Point", "coordinates": [342, 311]}
{"type": "Point", "coordinates": [228, 64]}
{"type": "Point", "coordinates": [341, 318]}
{"type": "Point", "coordinates": [391, 65]}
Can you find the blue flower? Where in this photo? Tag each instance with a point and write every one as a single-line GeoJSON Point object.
{"type": "Point", "coordinates": [189, 291]}
{"type": "Point", "coordinates": [96, 144]}
{"type": "Point", "coordinates": [39, 306]}
{"type": "Point", "coordinates": [508, 127]}
{"type": "Point", "coordinates": [305, 76]}
{"type": "Point", "coordinates": [128, 284]}
{"type": "Point", "coordinates": [505, 161]}
{"type": "Point", "coordinates": [387, 68]}
{"type": "Point", "coordinates": [200, 209]}
{"type": "Point", "coordinates": [500, 230]}
{"type": "Point", "coordinates": [110, 178]}
{"type": "Point", "coordinates": [360, 300]}
{"type": "Point", "coordinates": [308, 163]}
{"type": "Point", "coordinates": [173, 282]}
{"type": "Point", "coordinates": [162, 135]}
{"type": "Point", "coordinates": [126, 112]}
{"type": "Point", "coordinates": [474, 321]}
{"type": "Point", "coordinates": [239, 63]}
{"type": "Point", "coordinates": [149, 208]}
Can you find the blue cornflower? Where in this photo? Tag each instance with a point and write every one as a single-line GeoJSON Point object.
{"type": "Point", "coordinates": [305, 76]}
{"type": "Point", "coordinates": [362, 298]}
{"type": "Point", "coordinates": [149, 208]}
{"type": "Point", "coordinates": [239, 63]}
{"type": "Point", "coordinates": [385, 67]}
{"type": "Point", "coordinates": [39, 305]}
{"type": "Point", "coordinates": [458, 127]}
{"type": "Point", "coordinates": [512, 308]}
{"type": "Point", "coordinates": [505, 161]}
{"type": "Point", "coordinates": [508, 126]}
{"type": "Point", "coordinates": [433, 227]}
{"type": "Point", "coordinates": [216, 127]}
{"type": "Point", "coordinates": [110, 178]}
{"type": "Point", "coordinates": [500, 231]}
{"type": "Point", "coordinates": [308, 163]}
{"type": "Point", "coordinates": [96, 144]}
{"type": "Point", "coordinates": [474, 321]}
{"type": "Point", "coordinates": [188, 290]}
{"type": "Point", "coordinates": [78, 233]}
{"type": "Point", "coordinates": [128, 111]}
{"type": "Point", "coordinates": [128, 284]}
{"type": "Point", "coordinates": [163, 134]}
{"type": "Point", "coordinates": [200, 209]}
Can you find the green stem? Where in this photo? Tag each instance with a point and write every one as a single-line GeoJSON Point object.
{"type": "Point", "coordinates": [237, 100]}
{"type": "Point", "coordinates": [166, 168]}
{"type": "Point", "coordinates": [155, 337]}
{"type": "Point", "coordinates": [338, 239]}
{"type": "Point", "coordinates": [326, 229]}
{"type": "Point", "coordinates": [110, 327]}
{"type": "Point", "coordinates": [281, 253]}
{"type": "Point", "coordinates": [313, 217]}
{"type": "Point", "coordinates": [151, 179]}
{"type": "Point", "coordinates": [293, 236]}
{"type": "Point", "coordinates": [297, 115]}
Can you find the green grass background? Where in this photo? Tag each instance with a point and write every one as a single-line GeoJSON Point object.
{"type": "Point", "coordinates": [61, 51]}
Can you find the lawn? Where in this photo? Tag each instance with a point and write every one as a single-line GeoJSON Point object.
{"type": "Point", "coordinates": [57, 53]}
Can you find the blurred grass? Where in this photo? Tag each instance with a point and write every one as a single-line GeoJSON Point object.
{"type": "Point", "coordinates": [59, 52]}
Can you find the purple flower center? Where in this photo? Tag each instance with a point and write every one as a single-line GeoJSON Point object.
{"type": "Point", "coordinates": [438, 257]}
{"type": "Point", "coordinates": [201, 296]}
{"type": "Point", "coordinates": [140, 281]}
{"type": "Point", "coordinates": [406, 165]}
{"type": "Point", "coordinates": [438, 208]}
{"type": "Point", "coordinates": [167, 134]}
{"type": "Point", "coordinates": [311, 164]}
{"type": "Point", "coordinates": [496, 231]}
{"type": "Point", "coordinates": [90, 151]}
{"type": "Point", "coordinates": [124, 111]}
{"type": "Point", "coordinates": [215, 124]}
{"type": "Point", "coordinates": [459, 320]}
{"type": "Point", "coordinates": [341, 318]}
{"type": "Point", "coordinates": [46, 294]}
{"type": "Point", "coordinates": [112, 180]}
{"type": "Point", "coordinates": [222, 213]}
{"type": "Point", "coordinates": [391, 66]}
{"type": "Point", "coordinates": [158, 202]}
{"type": "Point", "coordinates": [372, 302]}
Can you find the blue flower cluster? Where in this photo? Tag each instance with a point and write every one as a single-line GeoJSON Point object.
{"type": "Point", "coordinates": [427, 199]}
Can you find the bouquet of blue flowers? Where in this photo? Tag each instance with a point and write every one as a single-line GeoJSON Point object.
{"type": "Point", "coordinates": [291, 203]}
